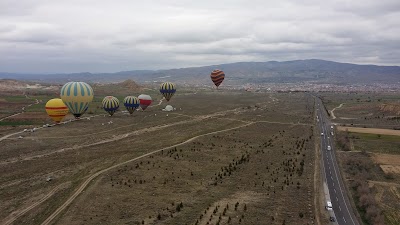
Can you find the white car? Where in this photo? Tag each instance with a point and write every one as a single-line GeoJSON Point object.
{"type": "Point", "coordinates": [322, 134]}
{"type": "Point", "coordinates": [329, 206]}
{"type": "Point", "coordinates": [329, 148]}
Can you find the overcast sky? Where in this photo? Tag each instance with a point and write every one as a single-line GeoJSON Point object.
{"type": "Point", "coordinates": [45, 36]}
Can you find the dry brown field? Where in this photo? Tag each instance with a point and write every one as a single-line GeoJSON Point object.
{"type": "Point", "coordinates": [220, 158]}
{"type": "Point", "coordinates": [369, 130]}
{"type": "Point", "coordinates": [388, 162]}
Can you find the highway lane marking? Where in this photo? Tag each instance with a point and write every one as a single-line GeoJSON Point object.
{"type": "Point", "coordinates": [334, 190]}
{"type": "Point", "coordinates": [324, 143]}
{"type": "Point", "coordinates": [340, 188]}
{"type": "Point", "coordinates": [331, 177]}
{"type": "Point", "coordinates": [327, 142]}
{"type": "Point", "coordinates": [336, 175]}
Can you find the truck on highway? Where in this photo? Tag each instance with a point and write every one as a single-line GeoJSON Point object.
{"type": "Point", "coordinates": [329, 148]}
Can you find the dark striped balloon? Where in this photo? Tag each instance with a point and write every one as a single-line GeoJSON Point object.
{"type": "Point", "coordinates": [110, 104]}
{"type": "Point", "coordinates": [131, 103]}
{"type": "Point", "coordinates": [217, 76]}
{"type": "Point", "coordinates": [167, 89]}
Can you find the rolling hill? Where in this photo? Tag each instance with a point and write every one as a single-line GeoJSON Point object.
{"type": "Point", "coordinates": [311, 70]}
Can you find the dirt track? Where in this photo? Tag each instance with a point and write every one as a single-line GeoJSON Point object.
{"type": "Point", "coordinates": [218, 115]}
{"type": "Point", "coordinates": [87, 181]}
{"type": "Point", "coordinates": [332, 111]}
{"type": "Point", "coordinates": [370, 130]}
{"type": "Point", "coordinates": [17, 214]}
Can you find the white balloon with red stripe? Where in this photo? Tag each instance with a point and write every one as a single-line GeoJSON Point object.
{"type": "Point", "coordinates": [144, 101]}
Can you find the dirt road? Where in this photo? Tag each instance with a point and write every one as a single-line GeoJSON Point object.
{"type": "Point", "coordinates": [15, 215]}
{"type": "Point", "coordinates": [87, 181]}
{"type": "Point", "coordinates": [332, 111]}
{"type": "Point", "coordinates": [9, 135]}
{"type": "Point", "coordinates": [23, 109]}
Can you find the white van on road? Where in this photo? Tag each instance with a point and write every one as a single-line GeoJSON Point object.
{"type": "Point", "coordinates": [329, 206]}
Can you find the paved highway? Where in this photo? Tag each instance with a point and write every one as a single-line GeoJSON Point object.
{"type": "Point", "coordinates": [342, 209]}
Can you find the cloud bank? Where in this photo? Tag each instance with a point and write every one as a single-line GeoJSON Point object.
{"type": "Point", "coordinates": [46, 36]}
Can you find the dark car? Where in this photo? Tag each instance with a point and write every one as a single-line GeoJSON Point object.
{"type": "Point", "coordinates": [332, 219]}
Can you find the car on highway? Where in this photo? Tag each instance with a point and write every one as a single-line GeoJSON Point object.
{"type": "Point", "coordinates": [329, 148]}
{"type": "Point", "coordinates": [322, 134]}
{"type": "Point", "coordinates": [329, 206]}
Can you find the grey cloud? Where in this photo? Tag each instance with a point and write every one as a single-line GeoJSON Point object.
{"type": "Point", "coordinates": [106, 36]}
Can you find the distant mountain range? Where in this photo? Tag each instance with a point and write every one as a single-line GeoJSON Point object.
{"type": "Point", "coordinates": [311, 70]}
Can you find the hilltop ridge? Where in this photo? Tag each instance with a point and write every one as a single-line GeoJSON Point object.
{"type": "Point", "coordinates": [310, 70]}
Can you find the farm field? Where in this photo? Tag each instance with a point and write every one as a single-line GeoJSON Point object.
{"type": "Point", "coordinates": [367, 110]}
{"type": "Point", "coordinates": [370, 131]}
{"type": "Point", "coordinates": [371, 163]}
{"type": "Point", "coordinates": [223, 156]}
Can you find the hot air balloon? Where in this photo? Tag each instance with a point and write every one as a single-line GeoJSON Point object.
{"type": "Point", "coordinates": [77, 96]}
{"type": "Point", "coordinates": [131, 103]}
{"type": "Point", "coordinates": [145, 100]}
{"type": "Point", "coordinates": [167, 89]}
{"type": "Point", "coordinates": [110, 104]}
{"type": "Point", "coordinates": [56, 109]}
{"type": "Point", "coordinates": [217, 76]}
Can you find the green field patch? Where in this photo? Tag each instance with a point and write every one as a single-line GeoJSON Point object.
{"type": "Point", "coordinates": [16, 99]}
{"type": "Point", "coordinates": [387, 144]}
{"type": "Point", "coordinates": [376, 137]}
{"type": "Point", "coordinates": [15, 123]}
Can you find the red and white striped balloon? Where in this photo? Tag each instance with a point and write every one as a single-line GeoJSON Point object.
{"type": "Point", "coordinates": [145, 101]}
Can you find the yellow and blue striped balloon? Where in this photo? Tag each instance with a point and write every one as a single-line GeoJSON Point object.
{"type": "Point", "coordinates": [77, 96]}
{"type": "Point", "coordinates": [167, 89]}
{"type": "Point", "coordinates": [110, 104]}
{"type": "Point", "coordinates": [131, 103]}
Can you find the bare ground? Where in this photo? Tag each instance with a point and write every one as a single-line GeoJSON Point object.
{"type": "Point", "coordinates": [369, 130]}
{"type": "Point", "coordinates": [388, 162]}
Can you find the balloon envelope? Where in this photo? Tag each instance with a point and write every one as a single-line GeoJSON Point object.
{"type": "Point", "coordinates": [169, 108]}
{"type": "Point", "coordinates": [145, 101]}
{"type": "Point", "coordinates": [167, 89]}
{"type": "Point", "coordinates": [56, 109]}
{"type": "Point", "coordinates": [110, 104]}
{"type": "Point", "coordinates": [77, 96]}
{"type": "Point", "coordinates": [131, 103]}
{"type": "Point", "coordinates": [217, 76]}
